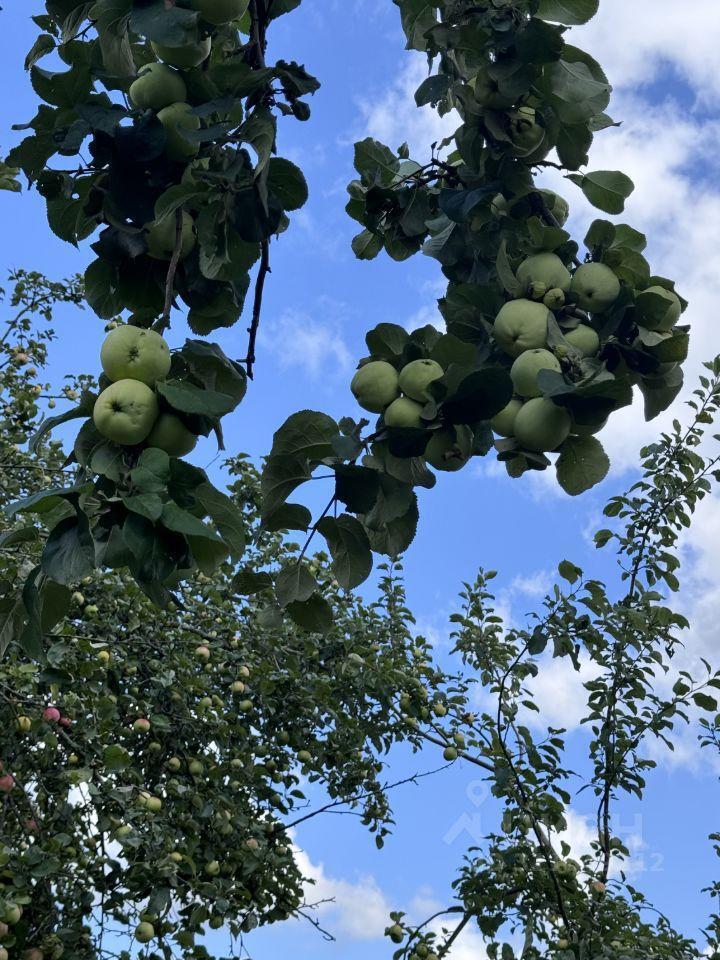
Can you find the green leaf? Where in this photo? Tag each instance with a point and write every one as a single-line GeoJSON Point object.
{"type": "Point", "coordinates": [45, 500]}
{"type": "Point", "coordinates": [146, 504]}
{"type": "Point", "coordinates": [152, 471]}
{"type": "Point", "coordinates": [178, 520]}
{"type": "Point", "coordinates": [288, 183]}
{"type": "Point", "coordinates": [505, 272]}
{"type": "Point", "coordinates": [187, 398]}
{"type": "Point", "coordinates": [367, 245]}
{"type": "Point", "coordinates": [568, 571]}
{"type": "Point", "coordinates": [308, 435]}
{"type": "Point", "coordinates": [69, 553]}
{"type": "Point", "coordinates": [43, 45]}
{"type": "Point", "coordinates": [8, 178]}
{"type": "Point", "coordinates": [281, 475]}
{"type": "Point", "coordinates": [350, 549]}
{"type": "Point", "coordinates": [288, 516]}
{"type": "Point", "coordinates": [605, 189]}
{"type": "Point", "coordinates": [581, 465]}
{"type": "Point", "coordinates": [226, 516]}
{"type": "Point", "coordinates": [116, 758]}
{"type": "Point", "coordinates": [376, 163]}
{"type": "Point", "coordinates": [248, 582]}
{"type": "Point", "coordinates": [165, 24]}
{"type": "Point", "coordinates": [568, 12]}
{"type": "Point", "coordinates": [395, 536]}
{"type": "Point", "coordinates": [294, 582]}
{"type": "Point", "coordinates": [101, 289]}
{"type": "Point", "coordinates": [433, 89]}
{"type": "Point", "coordinates": [705, 702]}
{"type": "Point", "coordinates": [314, 614]}
{"type": "Point", "coordinates": [356, 487]}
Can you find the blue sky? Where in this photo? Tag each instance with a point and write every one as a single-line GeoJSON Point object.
{"type": "Point", "coordinates": [319, 303]}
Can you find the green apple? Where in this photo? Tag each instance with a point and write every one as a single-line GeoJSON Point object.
{"type": "Point", "coordinates": [450, 449]}
{"type": "Point", "coordinates": [144, 932]}
{"type": "Point", "coordinates": [527, 366]}
{"type": "Point", "coordinates": [171, 435]}
{"type": "Point", "coordinates": [416, 377]}
{"type": "Point", "coordinates": [157, 86]}
{"type": "Point", "coordinates": [487, 92]}
{"type": "Point", "coordinates": [526, 133]}
{"type": "Point", "coordinates": [212, 869]}
{"type": "Point", "coordinates": [195, 768]}
{"type": "Point", "coordinates": [595, 286]}
{"type": "Point", "coordinates": [13, 913]}
{"type": "Point", "coordinates": [545, 268]}
{"type": "Point", "coordinates": [125, 412]}
{"type": "Point", "coordinates": [396, 933]}
{"type": "Point", "coordinates": [584, 339]}
{"type": "Point", "coordinates": [131, 353]}
{"type": "Point", "coordinates": [450, 754]}
{"type": "Point", "coordinates": [161, 235]}
{"type": "Point", "coordinates": [375, 385]}
{"type": "Point", "coordinates": [554, 299]}
{"type": "Point", "coordinates": [176, 118]}
{"type": "Point", "coordinates": [503, 423]}
{"type": "Point", "coordinates": [658, 309]}
{"type": "Point", "coordinates": [541, 425]}
{"type": "Point", "coordinates": [521, 325]}
{"type": "Point", "coordinates": [557, 205]}
{"type": "Point", "coordinates": [218, 12]}
{"type": "Point", "coordinates": [403, 412]}
{"type": "Point", "coordinates": [185, 57]}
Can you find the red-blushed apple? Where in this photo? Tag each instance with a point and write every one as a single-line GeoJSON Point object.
{"type": "Point", "coordinates": [7, 782]}
{"type": "Point", "coordinates": [51, 715]}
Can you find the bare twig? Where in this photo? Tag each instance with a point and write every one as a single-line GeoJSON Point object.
{"type": "Point", "coordinates": [164, 321]}
{"type": "Point", "coordinates": [263, 271]}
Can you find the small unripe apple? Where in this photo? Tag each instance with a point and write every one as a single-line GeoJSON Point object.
{"type": "Point", "coordinates": [73, 759]}
{"type": "Point", "coordinates": [90, 610]}
{"type": "Point", "coordinates": [212, 869]}
{"type": "Point", "coordinates": [176, 857]}
{"type": "Point", "coordinates": [51, 715]}
{"type": "Point", "coordinates": [439, 709]}
{"type": "Point", "coordinates": [13, 913]}
{"type": "Point", "coordinates": [174, 764]}
{"type": "Point", "coordinates": [202, 652]}
{"type": "Point", "coordinates": [144, 932]}
{"type": "Point", "coordinates": [33, 953]}
{"type": "Point", "coordinates": [244, 672]}
{"type": "Point", "coordinates": [450, 754]}
{"type": "Point", "coordinates": [23, 724]}
{"type": "Point", "coordinates": [396, 933]}
{"type": "Point", "coordinates": [252, 844]}
{"type": "Point", "coordinates": [238, 687]}
{"type": "Point", "coordinates": [245, 706]}
{"type": "Point", "coordinates": [141, 725]}
{"type": "Point", "coordinates": [103, 656]}
{"type": "Point", "coordinates": [4, 955]}
{"type": "Point", "coordinates": [195, 768]}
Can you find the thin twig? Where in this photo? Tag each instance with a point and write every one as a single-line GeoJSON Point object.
{"type": "Point", "coordinates": [164, 321]}
{"type": "Point", "coordinates": [263, 271]}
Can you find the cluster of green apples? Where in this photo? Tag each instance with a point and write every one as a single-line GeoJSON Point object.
{"type": "Point", "coordinates": [550, 291]}
{"type": "Point", "coordinates": [400, 396]}
{"type": "Point", "coordinates": [160, 87]}
{"type": "Point", "coordinates": [127, 412]}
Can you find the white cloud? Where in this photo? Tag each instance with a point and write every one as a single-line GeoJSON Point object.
{"type": "Point", "coordinates": [637, 42]}
{"type": "Point", "coordinates": [359, 910]}
{"type": "Point", "coordinates": [313, 345]}
{"type": "Point", "coordinates": [393, 117]}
